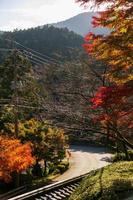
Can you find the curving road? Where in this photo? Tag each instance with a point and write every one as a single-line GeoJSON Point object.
{"type": "Point", "coordinates": [84, 159]}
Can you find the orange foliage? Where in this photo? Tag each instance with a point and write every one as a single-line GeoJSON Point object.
{"type": "Point", "coordinates": [114, 102]}
{"type": "Point", "coordinates": [14, 157]}
{"type": "Point", "coordinates": [116, 48]}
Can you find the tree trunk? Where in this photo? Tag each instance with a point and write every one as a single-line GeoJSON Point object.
{"type": "Point", "coordinates": [45, 166]}
{"type": "Point", "coordinates": [108, 131]}
{"type": "Point", "coordinates": [16, 178]}
{"type": "Point", "coordinates": [126, 151]}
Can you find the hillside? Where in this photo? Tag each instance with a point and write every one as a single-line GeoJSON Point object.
{"type": "Point", "coordinates": [81, 24]}
{"type": "Point", "coordinates": [55, 42]}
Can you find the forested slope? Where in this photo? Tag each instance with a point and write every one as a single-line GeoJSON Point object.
{"type": "Point", "coordinates": [55, 42]}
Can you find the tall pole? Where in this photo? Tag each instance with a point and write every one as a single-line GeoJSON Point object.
{"type": "Point", "coordinates": [15, 89]}
{"type": "Point", "coordinates": [15, 107]}
{"type": "Point", "coordinates": [15, 95]}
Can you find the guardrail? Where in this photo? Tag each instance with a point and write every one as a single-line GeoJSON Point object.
{"type": "Point", "coordinates": [48, 190]}
{"type": "Point", "coordinates": [34, 194]}
{"type": "Point", "coordinates": [13, 193]}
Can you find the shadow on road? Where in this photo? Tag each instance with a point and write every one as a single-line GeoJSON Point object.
{"type": "Point", "coordinates": [100, 150]}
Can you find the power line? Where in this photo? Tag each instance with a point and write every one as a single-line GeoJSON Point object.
{"type": "Point", "coordinates": [41, 57]}
{"type": "Point", "coordinates": [36, 63]}
{"type": "Point", "coordinates": [52, 59]}
{"type": "Point", "coordinates": [36, 58]}
{"type": "Point", "coordinates": [5, 49]}
{"type": "Point", "coordinates": [21, 106]}
{"type": "Point", "coordinates": [29, 49]}
{"type": "Point", "coordinates": [31, 55]}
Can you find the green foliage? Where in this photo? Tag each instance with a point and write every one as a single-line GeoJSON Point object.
{"type": "Point", "coordinates": [122, 156]}
{"type": "Point", "coordinates": [51, 167]}
{"type": "Point", "coordinates": [49, 143]}
{"type": "Point", "coordinates": [62, 167]}
{"type": "Point", "coordinates": [108, 183]}
{"type": "Point", "coordinates": [58, 168]}
{"type": "Point", "coordinates": [19, 90]}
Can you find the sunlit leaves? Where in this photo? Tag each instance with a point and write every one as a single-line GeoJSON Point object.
{"type": "Point", "coordinates": [114, 102]}
{"type": "Point", "coordinates": [14, 157]}
{"type": "Point", "coordinates": [116, 48]}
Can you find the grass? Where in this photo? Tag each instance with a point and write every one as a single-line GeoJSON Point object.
{"type": "Point", "coordinates": [112, 182]}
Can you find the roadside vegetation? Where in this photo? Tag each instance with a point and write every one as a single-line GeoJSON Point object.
{"type": "Point", "coordinates": [113, 182]}
{"type": "Point", "coordinates": [122, 157]}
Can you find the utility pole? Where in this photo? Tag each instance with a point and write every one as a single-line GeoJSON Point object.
{"type": "Point", "coordinates": [15, 89]}
{"type": "Point", "coordinates": [15, 95]}
{"type": "Point", "coordinates": [15, 107]}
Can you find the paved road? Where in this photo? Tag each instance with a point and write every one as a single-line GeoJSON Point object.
{"type": "Point", "coordinates": [84, 159]}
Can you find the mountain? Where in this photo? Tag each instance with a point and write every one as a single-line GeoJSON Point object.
{"type": "Point", "coordinates": [49, 40]}
{"type": "Point", "coordinates": [81, 24]}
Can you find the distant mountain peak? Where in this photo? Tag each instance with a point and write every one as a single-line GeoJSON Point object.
{"type": "Point", "coordinates": [81, 24]}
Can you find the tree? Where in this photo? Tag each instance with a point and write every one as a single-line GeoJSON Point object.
{"type": "Point", "coordinates": [60, 44]}
{"type": "Point", "coordinates": [69, 88]}
{"type": "Point", "coordinates": [116, 113]}
{"type": "Point", "coordinates": [18, 100]}
{"type": "Point", "coordinates": [115, 50]}
{"type": "Point", "coordinates": [19, 90]}
{"type": "Point", "coordinates": [14, 157]}
{"type": "Point", "coordinates": [48, 143]}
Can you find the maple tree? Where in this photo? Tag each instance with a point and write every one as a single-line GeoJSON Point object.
{"type": "Point", "coordinates": [115, 101]}
{"type": "Point", "coordinates": [14, 157]}
{"type": "Point", "coordinates": [115, 48]}
{"type": "Point", "coordinates": [48, 143]}
{"type": "Point", "coordinates": [117, 111]}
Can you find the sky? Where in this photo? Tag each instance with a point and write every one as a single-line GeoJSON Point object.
{"type": "Point", "coordinates": [22, 14]}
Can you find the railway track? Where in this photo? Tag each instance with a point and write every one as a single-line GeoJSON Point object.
{"type": "Point", "coordinates": [56, 191]}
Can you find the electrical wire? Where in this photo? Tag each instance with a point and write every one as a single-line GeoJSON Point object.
{"type": "Point", "coordinates": [30, 54]}
{"type": "Point", "coordinates": [43, 55]}
{"type": "Point", "coordinates": [21, 106]}
{"type": "Point", "coordinates": [5, 49]}
{"type": "Point", "coordinates": [34, 57]}
{"type": "Point", "coordinates": [29, 49]}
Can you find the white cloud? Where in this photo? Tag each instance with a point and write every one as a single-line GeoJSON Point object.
{"type": "Point", "coordinates": [31, 13]}
{"type": "Point", "coordinates": [40, 2]}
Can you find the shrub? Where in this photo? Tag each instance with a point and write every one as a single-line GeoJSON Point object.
{"type": "Point", "coordinates": [57, 171]}
{"type": "Point", "coordinates": [109, 183]}
{"type": "Point", "coordinates": [63, 166]}
{"type": "Point", "coordinates": [122, 156]}
{"type": "Point", "coordinates": [51, 167]}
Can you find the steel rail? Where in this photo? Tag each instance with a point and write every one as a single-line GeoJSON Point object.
{"type": "Point", "coordinates": [48, 192]}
